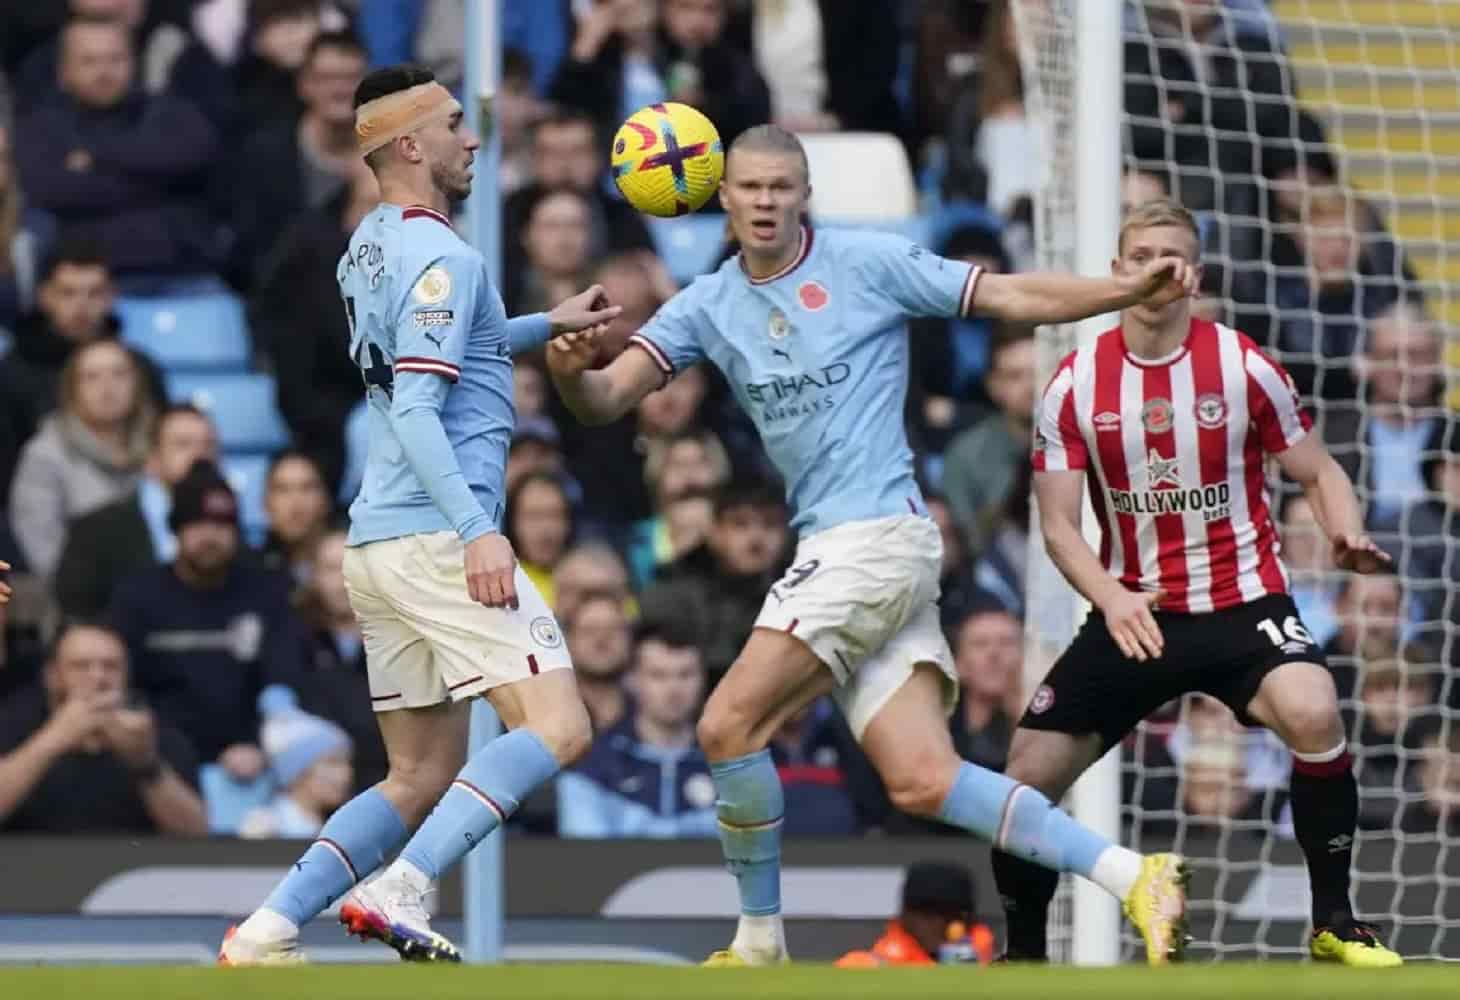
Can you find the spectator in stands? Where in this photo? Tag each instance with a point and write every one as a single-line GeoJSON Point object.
{"type": "Point", "coordinates": [1000, 570]}
{"type": "Point", "coordinates": [1382, 447]}
{"type": "Point", "coordinates": [692, 463]}
{"type": "Point", "coordinates": [530, 390]}
{"type": "Point", "coordinates": [78, 755]}
{"type": "Point", "coordinates": [128, 170]}
{"type": "Point", "coordinates": [298, 320]}
{"type": "Point", "coordinates": [275, 46]}
{"type": "Point", "coordinates": [979, 466]}
{"type": "Point", "coordinates": [958, 593]}
{"type": "Point", "coordinates": [25, 237]}
{"type": "Point", "coordinates": [600, 642]}
{"type": "Point", "coordinates": [1391, 692]}
{"type": "Point", "coordinates": [566, 152]}
{"type": "Point", "coordinates": [611, 69]}
{"type": "Point", "coordinates": [1425, 537]}
{"type": "Point", "coordinates": [208, 634]}
{"type": "Point", "coordinates": [333, 683]}
{"type": "Point", "coordinates": [555, 245]}
{"type": "Point", "coordinates": [133, 533]}
{"type": "Point", "coordinates": [934, 924]}
{"type": "Point", "coordinates": [86, 455]}
{"type": "Point", "coordinates": [828, 64]}
{"type": "Point", "coordinates": [1215, 790]}
{"type": "Point", "coordinates": [292, 166]}
{"type": "Point", "coordinates": [539, 523]}
{"type": "Point", "coordinates": [614, 492]}
{"type": "Point", "coordinates": [717, 589]}
{"type": "Point", "coordinates": [813, 752]}
{"type": "Point", "coordinates": [536, 449]}
{"type": "Point", "coordinates": [645, 777]}
{"type": "Point", "coordinates": [1370, 610]}
{"type": "Point", "coordinates": [706, 71]}
{"type": "Point", "coordinates": [1140, 184]}
{"type": "Point", "coordinates": [950, 357]}
{"type": "Point", "coordinates": [309, 762]}
{"type": "Point", "coordinates": [1310, 566]}
{"type": "Point", "coordinates": [1437, 777]}
{"type": "Point", "coordinates": [1206, 96]}
{"type": "Point", "coordinates": [73, 307]}
{"type": "Point", "coordinates": [1327, 281]}
{"type": "Point", "coordinates": [518, 111]}
{"type": "Point", "coordinates": [298, 507]}
{"type": "Point", "coordinates": [591, 568]}
{"type": "Point", "coordinates": [988, 651]}
{"type": "Point", "coordinates": [1000, 136]}
{"type": "Point", "coordinates": [1205, 720]}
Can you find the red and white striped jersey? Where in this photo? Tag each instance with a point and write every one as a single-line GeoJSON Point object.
{"type": "Point", "coordinates": [1176, 451]}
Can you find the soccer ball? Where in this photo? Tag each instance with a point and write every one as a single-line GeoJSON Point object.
{"type": "Point", "coordinates": [667, 159]}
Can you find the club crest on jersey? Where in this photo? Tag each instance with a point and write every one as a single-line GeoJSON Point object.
{"type": "Point", "coordinates": [813, 295]}
{"type": "Point", "coordinates": [1210, 411]}
{"type": "Point", "coordinates": [1107, 420]}
{"type": "Point", "coordinates": [779, 327]}
{"type": "Point", "coordinates": [432, 287]}
{"type": "Point", "coordinates": [1042, 701]}
{"type": "Point", "coordinates": [545, 632]}
{"type": "Point", "coordinates": [1156, 415]}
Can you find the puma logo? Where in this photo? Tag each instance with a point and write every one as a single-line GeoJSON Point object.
{"type": "Point", "coordinates": [780, 353]}
{"type": "Point", "coordinates": [435, 338]}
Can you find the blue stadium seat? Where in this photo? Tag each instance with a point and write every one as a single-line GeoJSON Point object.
{"type": "Point", "coordinates": [689, 245]}
{"type": "Point", "coordinates": [242, 406]}
{"type": "Point", "coordinates": [248, 475]}
{"type": "Point", "coordinates": [188, 333]}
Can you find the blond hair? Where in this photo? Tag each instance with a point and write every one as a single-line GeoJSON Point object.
{"type": "Point", "coordinates": [1158, 212]}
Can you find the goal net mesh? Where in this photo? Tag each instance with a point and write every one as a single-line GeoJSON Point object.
{"type": "Point", "coordinates": [1318, 141]}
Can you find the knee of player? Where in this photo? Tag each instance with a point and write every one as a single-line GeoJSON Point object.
{"type": "Point", "coordinates": [919, 785]}
{"type": "Point", "coordinates": [415, 786]}
{"type": "Point", "coordinates": [567, 732]}
{"type": "Point", "coordinates": [1312, 725]}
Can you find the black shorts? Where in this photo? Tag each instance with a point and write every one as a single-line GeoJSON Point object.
{"type": "Point", "coordinates": [1095, 688]}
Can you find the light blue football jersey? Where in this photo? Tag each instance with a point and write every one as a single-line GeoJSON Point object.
{"type": "Point", "coordinates": [434, 346]}
{"type": "Point", "coordinates": [817, 355]}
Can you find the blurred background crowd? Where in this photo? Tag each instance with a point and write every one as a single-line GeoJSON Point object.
{"type": "Point", "coordinates": [179, 432]}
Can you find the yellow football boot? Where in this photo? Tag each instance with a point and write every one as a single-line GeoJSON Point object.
{"type": "Point", "coordinates": [1352, 943]}
{"type": "Point", "coordinates": [1157, 907]}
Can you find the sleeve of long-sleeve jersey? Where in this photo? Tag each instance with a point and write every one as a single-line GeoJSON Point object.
{"type": "Point", "coordinates": [1058, 443]}
{"type": "Point", "coordinates": [1272, 400]}
{"type": "Point", "coordinates": [526, 334]}
{"type": "Point", "coordinates": [431, 343]}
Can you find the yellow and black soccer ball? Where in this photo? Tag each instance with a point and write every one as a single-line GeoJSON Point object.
{"type": "Point", "coordinates": [667, 159]}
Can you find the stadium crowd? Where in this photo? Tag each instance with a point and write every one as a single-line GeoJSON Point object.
{"type": "Point", "coordinates": [180, 655]}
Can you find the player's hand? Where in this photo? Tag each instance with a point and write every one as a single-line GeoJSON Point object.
{"type": "Point", "coordinates": [491, 567]}
{"type": "Point", "coordinates": [572, 354]}
{"type": "Point", "coordinates": [1359, 554]}
{"type": "Point", "coordinates": [242, 761]}
{"type": "Point", "coordinates": [1129, 619]}
{"type": "Point", "coordinates": [1163, 281]}
{"type": "Point", "coordinates": [583, 311]}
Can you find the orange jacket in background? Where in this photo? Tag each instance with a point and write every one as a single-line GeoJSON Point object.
{"type": "Point", "coordinates": [898, 947]}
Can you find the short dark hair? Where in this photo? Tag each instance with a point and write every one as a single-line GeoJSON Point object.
{"type": "Point", "coordinates": [261, 12]}
{"type": "Point", "coordinates": [75, 253]}
{"type": "Point", "coordinates": [593, 597]}
{"type": "Point", "coordinates": [560, 116]}
{"type": "Point", "coordinates": [343, 39]}
{"type": "Point", "coordinates": [757, 494]}
{"type": "Point", "coordinates": [290, 454]}
{"type": "Point", "coordinates": [172, 410]}
{"type": "Point", "coordinates": [76, 623]}
{"type": "Point", "coordinates": [674, 633]}
{"type": "Point", "coordinates": [1006, 335]}
{"type": "Point", "coordinates": [516, 67]}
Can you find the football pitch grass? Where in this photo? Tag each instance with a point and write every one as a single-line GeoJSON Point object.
{"type": "Point", "coordinates": [1290, 981]}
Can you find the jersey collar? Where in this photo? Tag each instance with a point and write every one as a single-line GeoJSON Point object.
{"type": "Point", "coordinates": [422, 212]}
{"type": "Point", "coordinates": [802, 252]}
{"type": "Point", "coordinates": [1169, 359]}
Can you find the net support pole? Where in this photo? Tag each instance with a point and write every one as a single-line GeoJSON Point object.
{"type": "Point", "coordinates": [1099, 62]}
{"type": "Point", "coordinates": [483, 898]}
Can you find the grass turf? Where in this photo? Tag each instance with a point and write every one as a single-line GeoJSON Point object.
{"type": "Point", "coordinates": [1290, 981]}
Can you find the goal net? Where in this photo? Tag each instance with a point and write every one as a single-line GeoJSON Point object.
{"type": "Point", "coordinates": [1318, 141]}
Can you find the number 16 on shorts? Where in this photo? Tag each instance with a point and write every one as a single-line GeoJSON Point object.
{"type": "Point", "coordinates": [1292, 637]}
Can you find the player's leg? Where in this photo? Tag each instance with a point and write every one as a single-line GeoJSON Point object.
{"type": "Point", "coordinates": [906, 737]}
{"type": "Point", "coordinates": [1050, 762]}
{"type": "Point", "coordinates": [775, 676]}
{"type": "Point", "coordinates": [1299, 702]}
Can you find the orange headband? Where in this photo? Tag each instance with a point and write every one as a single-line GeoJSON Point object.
{"type": "Point", "coordinates": [385, 119]}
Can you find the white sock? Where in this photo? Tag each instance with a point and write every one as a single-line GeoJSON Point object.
{"type": "Point", "coordinates": [414, 879]}
{"type": "Point", "coordinates": [267, 925]}
{"type": "Point", "coordinates": [1116, 870]}
{"type": "Point", "coordinates": [758, 939]}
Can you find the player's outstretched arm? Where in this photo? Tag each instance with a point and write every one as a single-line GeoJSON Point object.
{"type": "Point", "coordinates": [602, 396]}
{"type": "Point", "coordinates": [1042, 297]}
{"type": "Point", "coordinates": [1335, 504]}
{"type": "Point", "coordinates": [1127, 615]}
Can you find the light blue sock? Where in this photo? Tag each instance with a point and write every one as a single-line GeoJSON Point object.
{"type": "Point", "coordinates": [1020, 820]}
{"type": "Point", "coordinates": [750, 805]}
{"type": "Point", "coordinates": [354, 843]}
{"type": "Point", "coordinates": [487, 791]}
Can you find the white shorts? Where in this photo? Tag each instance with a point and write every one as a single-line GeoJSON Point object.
{"type": "Point", "coordinates": [426, 640]}
{"type": "Point", "coordinates": [864, 597]}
